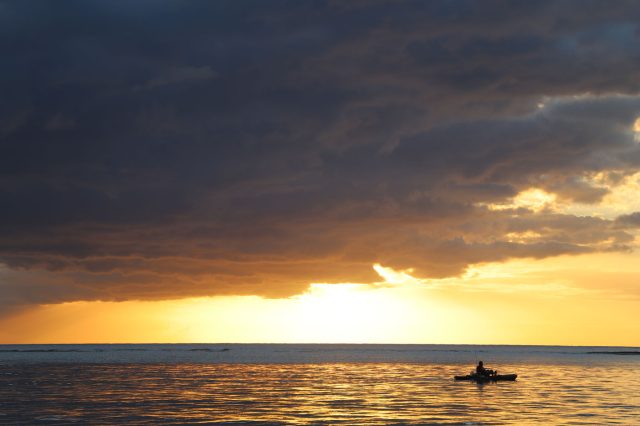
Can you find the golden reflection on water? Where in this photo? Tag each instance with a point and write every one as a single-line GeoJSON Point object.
{"type": "Point", "coordinates": [314, 393]}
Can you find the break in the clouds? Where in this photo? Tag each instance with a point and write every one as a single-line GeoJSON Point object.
{"type": "Point", "coordinates": [167, 149]}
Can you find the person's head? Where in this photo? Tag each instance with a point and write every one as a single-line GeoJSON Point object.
{"type": "Point", "coordinates": [480, 363]}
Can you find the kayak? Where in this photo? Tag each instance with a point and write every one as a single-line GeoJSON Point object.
{"type": "Point", "coordinates": [480, 378]}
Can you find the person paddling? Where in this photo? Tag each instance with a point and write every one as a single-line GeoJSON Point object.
{"type": "Point", "coordinates": [480, 370]}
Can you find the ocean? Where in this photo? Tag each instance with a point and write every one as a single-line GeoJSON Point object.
{"type": "Point", "coordinates": [270, 384]}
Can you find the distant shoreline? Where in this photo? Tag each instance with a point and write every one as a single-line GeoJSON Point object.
{"type": "Point", "coordinates": [615, 352]}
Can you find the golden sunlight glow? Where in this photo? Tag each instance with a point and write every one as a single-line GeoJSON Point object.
{"type": "Point", "coordinates": [522, 237]}
{"type": "Point", "coordinates": [621, 199]}
{"type": "Point", "coordinates": [534, 199]}
{"type": "Point", "coordinates": [590, 299]}
{"type": "Point", "coordinates": [345, 313]}
{"type": "Point", "coordinates": [636, 125]}
{"type": "Point", "coordinates": [392, 276]}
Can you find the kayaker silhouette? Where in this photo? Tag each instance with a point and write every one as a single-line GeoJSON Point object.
{"type": "Point", "coordinates": [483, 371]}
{"type": "Point", "coordinates": [484, 375]}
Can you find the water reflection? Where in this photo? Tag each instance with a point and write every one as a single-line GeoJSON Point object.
{"type": "Point", "coordinates": [314, 393]}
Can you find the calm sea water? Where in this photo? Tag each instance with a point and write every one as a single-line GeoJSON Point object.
{"type": "Point", "coordinates": [315, 384]}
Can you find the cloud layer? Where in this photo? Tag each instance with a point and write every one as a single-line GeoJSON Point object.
{"type": "Point", "coordinates": [159, 150]}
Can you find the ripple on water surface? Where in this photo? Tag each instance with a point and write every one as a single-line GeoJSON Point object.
{"type": "Point", "coordinates": [335, 393]}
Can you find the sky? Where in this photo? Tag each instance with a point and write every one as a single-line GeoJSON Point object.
{"type": "Point", "coordinates": [320, 171]}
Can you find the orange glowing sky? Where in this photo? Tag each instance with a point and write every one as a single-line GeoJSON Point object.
{"type": "Point", "coordinates": [567, 300]}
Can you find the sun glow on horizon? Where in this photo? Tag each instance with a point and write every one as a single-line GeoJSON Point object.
{"type": "Point", "coordinates": [517, 302]}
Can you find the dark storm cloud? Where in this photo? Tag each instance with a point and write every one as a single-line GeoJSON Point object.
{"type": "Point", "coordinates": [162, 149]}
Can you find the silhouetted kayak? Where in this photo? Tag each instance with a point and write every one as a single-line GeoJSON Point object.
{"type": "Point", "coordinates": [481, 378]}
